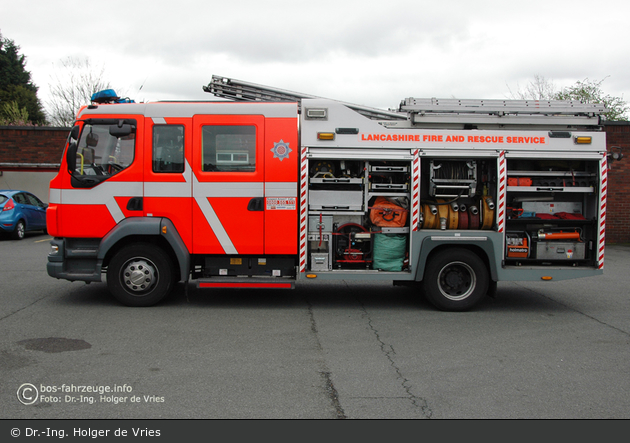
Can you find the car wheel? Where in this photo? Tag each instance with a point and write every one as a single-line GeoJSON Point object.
{"type": "Point", "coordinates": [20, 230]}
{"type": "Point", "coordinates": [455, 279]}
{"type": "Point", "coordinates": [140, 274]}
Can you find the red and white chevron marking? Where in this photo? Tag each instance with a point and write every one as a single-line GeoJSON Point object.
{"type": "Point", "coordinates": [603, 185]}
{"type": "Point", "coordinates": [303, 209]}
{"type": "Point", "coordinates": [415, 191]}
{"type": "Point", "coordinates": [502, 190]}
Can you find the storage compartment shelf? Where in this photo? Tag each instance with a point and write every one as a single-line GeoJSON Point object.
{"type": "Point", "coordinates": [584, 189]}
{"type": "Point", "coordinates": [340, 180]}
{"type": "Point", "coordinates": [549, 174]}
{"type": "Point", "coordinates": [544, 221]}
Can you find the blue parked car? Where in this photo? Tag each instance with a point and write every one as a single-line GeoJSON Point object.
{"type": "Point", "coordinates": [21, 211]}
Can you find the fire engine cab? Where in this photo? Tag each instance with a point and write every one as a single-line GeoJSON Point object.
{"type": "Point", "coordinates": [271, 187]}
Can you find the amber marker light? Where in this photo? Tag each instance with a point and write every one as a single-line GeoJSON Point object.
{"type": "Point", "coordinates": [546, 277]}
{"type": "Point", "coordinates": [583, 140]}
{"type": "Point", "coordinates": [325, 135]}
{"type": "Point", "coordinates": [311, 275]}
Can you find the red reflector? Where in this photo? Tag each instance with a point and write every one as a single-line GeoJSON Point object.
{"type": "Point", "coordinates": [245, 285]}
{"type": "Point", "coordinates": [9, 205]}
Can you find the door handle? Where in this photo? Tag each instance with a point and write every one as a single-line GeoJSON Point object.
{"type": "Point", "coordinates": [256, 204]}
{"type": "Point", "coordinates": [135, 204]}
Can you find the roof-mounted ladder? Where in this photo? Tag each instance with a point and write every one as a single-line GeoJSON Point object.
{"type": "Point", "coordinates": [502, 112]}
{"type": "Point", "coordinates": [433, 112]}
{"type": "Point", "coordinates": [239, 90]}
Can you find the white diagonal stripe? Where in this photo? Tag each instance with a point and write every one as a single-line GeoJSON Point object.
{"type": "Point", "coordinates": [114, 210]}
{"type": "Point", "coordinates": [216, 226]}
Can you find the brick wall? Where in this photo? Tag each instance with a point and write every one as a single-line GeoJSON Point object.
{"type": "Point", "coordinates": [618, 207]}
{"type": "Point", "coordinates": [41, 147]}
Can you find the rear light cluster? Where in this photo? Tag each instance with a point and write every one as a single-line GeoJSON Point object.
{"type": "Point", "coordinates": [9, 205]}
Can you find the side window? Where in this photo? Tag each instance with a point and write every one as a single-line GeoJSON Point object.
{"type": "Point", "coordinates": [20, 198]}
{"type": "Point", "coordinates": [229, 148]}
{"type": "Point", "coordinates": [168, 148]}
{"type": "Point", "coordinates": [103, 154]}
{"type": "Point", "coordinates": [34, 201]}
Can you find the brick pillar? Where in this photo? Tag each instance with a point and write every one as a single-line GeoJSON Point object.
{"type": "Point", "coordinates": [618, 206]}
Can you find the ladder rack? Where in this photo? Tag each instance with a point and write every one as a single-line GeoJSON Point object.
{"type": "Point", "coordinates": [239, 90]}
{"type": "Point", "coordinates": [502, 107]}
{"type": "Point", "coordinates": [502, 112]}
{"type": "Point", "coordinates": [433, 112]}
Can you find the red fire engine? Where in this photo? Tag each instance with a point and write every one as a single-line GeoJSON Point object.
{"type": "Point", "coordinates": [273, 187]}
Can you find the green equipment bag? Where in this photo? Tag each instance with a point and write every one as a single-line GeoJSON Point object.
{"type": "Point", "coordinates": [389, 252]}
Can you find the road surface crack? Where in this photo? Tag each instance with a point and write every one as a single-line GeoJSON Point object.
{"type": "Point", "coordinates": [388, 350]}
{"type": "Point", "coordinates": [325, 373]}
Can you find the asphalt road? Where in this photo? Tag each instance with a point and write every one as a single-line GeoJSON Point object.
{"type": "Point", "coordinates": [322, 351]}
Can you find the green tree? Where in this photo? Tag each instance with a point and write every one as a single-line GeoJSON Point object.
{"type": "Point", "coordinates": [585, 91]}
{"type": "Point", "coordinates": [590, 91]}
{"type": "Point", "coordinates": [16, 84]}
{"type": "Point", "coordinates": [12, 114]}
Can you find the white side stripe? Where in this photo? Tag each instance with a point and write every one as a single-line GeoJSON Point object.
{"type": "Point", "coordinates": [170, 189]}
{"type": "Point", "coordinates": [99, 195]}
{"type": "Point", "coordinates": [227, 189]}
{"type": "Point", "coordinates": [281, 189]}
{"type": "Point", "coordinates": [167, 189]}
{"type": "Point", "coordinates": [54, 195]}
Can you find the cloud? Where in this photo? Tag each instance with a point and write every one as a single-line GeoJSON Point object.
{"type": "Point", "coordinates": [290, 32]}
{"type": "Point", "coordinates": [372, 53]}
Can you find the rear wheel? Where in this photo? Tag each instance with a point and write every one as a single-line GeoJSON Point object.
{"type": "Point", "coordinates": [20, 230]}
{"type": "Point", "coordinates": [455, 279]}
{"type": "Point", "coordinates": [140, 274]}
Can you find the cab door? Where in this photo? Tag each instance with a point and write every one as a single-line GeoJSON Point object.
{"type": "Point", "coordinates": [228, 184]}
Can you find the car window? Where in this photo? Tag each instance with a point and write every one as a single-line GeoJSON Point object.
{"type": "Point", "coordinates": [34, 200]}
{"type": "Point", "coordinates": [3, 198]}
{"type": "Point", "coordinates": [20, 198]}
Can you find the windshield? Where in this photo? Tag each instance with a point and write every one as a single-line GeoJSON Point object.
{"type": "Point", "coordinates": [102, 154]}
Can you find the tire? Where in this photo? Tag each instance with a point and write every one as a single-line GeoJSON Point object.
{"type": "Point", "coordinates": [20, 230]}
{"type": "Point", "coordinates": [455, 279]}
{"type": "Point", "coordinates": [140, 274]}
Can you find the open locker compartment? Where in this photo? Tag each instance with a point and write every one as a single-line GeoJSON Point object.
{"type": "Point", "coordinates": [458, 192]}
{"type": "Point", "coordinates": [553, 206]}
{"type": "Point", "coordinates": [358, 215]}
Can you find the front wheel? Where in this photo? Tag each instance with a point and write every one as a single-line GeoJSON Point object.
{"type": "Point", "coordinates": [455, 279]}
{"type": "Point", "coordinates": [140, 275]}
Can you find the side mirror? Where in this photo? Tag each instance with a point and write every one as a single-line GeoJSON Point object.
{"type": "Point", "coordinates": [71, 157]}
{"type": "Point", "coordinates": [74, 133]}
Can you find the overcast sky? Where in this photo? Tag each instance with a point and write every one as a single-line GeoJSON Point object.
{"type": "Point", "coordinates": [373, 53]}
